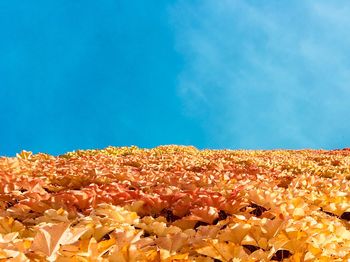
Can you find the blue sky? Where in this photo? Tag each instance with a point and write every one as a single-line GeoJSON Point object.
{"type": "Point", "coordinates": [213, 74]}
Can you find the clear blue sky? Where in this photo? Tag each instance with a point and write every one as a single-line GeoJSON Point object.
{"type": "Point", "coordinates": [214, 74]}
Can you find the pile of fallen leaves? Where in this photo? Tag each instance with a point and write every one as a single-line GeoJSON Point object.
{"type": "Point", "coordinates": [174, 203]}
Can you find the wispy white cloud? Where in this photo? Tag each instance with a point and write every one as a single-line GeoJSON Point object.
{"type": "Point", "coordinates": [266, 74]}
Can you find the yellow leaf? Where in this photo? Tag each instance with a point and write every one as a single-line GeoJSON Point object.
{"type": "Point", "coordinates": [235, 233]}
{"type": "Point", "coordinates": [103, 246]}
{"type": "Point", "coordinates": [298, 212]}
{"type": "Point", "coordinates": [222, 251]}
{"type": "Point", "coordinates": [49, 238]}
{"type": "Point", "coordinates": [249, 240]}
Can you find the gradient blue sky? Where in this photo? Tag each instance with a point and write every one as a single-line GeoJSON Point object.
{"type": "Point", "coordinates": [213, 74]}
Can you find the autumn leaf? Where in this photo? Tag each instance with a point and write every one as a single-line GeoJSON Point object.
{"type": "Point", "coordinates": [50, 237]}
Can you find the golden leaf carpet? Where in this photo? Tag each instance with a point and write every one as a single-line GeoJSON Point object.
{"type": "Point", "coordinates": [176, 203]}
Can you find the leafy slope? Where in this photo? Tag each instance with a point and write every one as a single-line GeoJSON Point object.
{"type": "Point", "coordinates": [174, 203]}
